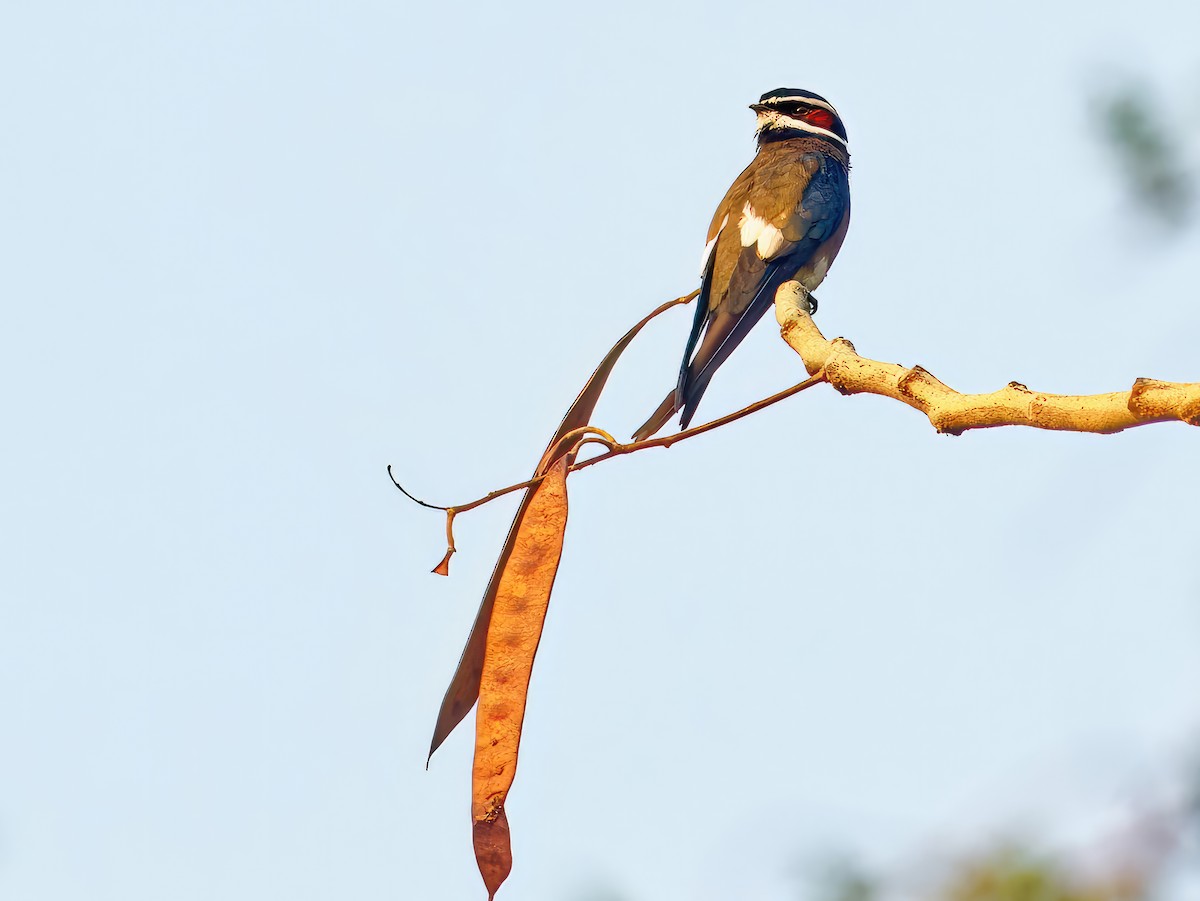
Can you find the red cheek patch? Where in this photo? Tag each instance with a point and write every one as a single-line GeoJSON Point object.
{"type": "Point", "coordinates": [820, 118]}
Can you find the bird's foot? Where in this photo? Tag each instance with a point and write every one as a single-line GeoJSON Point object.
{"type": "Point", "coordinates": [795, 295]}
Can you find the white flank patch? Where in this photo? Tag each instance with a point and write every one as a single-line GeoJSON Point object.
{"type": "Point", "coordinates": [770, 242]}
{"type": "Point", "coordinates": [753, 229]}
{"type": "Point", "coordinates": [750, 226]}
{"type": "Point", "coordinates": [708, 248]}
{"type": "Point", "coordinates": [819, 269]}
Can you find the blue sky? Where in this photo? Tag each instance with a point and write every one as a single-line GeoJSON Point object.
{"type": "Point", "coordinates": [254, 252]}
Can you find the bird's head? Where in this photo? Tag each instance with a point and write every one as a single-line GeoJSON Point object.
{"type": "Point", "coordinates": [795, 113]}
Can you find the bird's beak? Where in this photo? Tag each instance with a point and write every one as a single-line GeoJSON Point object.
{"type": "Point", "coordinates": [759, 107]}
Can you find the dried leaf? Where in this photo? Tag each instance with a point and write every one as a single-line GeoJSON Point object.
{"type": "Point", "coordinates": [522, 598]}
{"type": "Point", "coordinates": [464, 686]}
{"type": "Point", "coordinates": [443, 568]}
{"type": "Point", "coordinates": [493, 851]}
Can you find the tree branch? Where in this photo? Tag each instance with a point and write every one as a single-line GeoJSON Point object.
{"type": "Point", "coordinates": [953, 413]}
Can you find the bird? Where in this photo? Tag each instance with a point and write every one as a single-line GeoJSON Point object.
{"type": "Point", "coordinates": [783, 219]}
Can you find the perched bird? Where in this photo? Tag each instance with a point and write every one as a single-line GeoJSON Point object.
{"type": "Point", "coordinates": [783, 219]}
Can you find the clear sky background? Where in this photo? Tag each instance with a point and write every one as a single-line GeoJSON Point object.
{"type": "Point", "coordinates": [250, 253]}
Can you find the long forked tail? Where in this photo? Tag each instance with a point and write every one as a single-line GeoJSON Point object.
{"type": "Point", "coordinates": [724, 334]}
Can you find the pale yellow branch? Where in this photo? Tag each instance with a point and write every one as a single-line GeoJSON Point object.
{"type": "Point", "coordinates": [953, 413]}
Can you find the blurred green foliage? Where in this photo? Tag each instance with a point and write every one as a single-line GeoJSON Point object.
{"type": "Point", "coordinates": [1140, 859]}
{"type": "Point", "coordinates": [1015, 874]}
{"type": "Point", "coordinates": [845, 880]}
{"type": "Point", "coordinates": [1149, 149]}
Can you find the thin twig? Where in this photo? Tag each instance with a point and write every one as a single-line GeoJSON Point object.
{"type": "Point", "coordinates": [666, 441]}
{"type": "Point", "coordinates": [581, 436]}
{"type": "Point", "coordinates": [404, 491]}
{"type": "Point", "coordinates": [616, 449]}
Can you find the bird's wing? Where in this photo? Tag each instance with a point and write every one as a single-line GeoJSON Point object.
{"type": "Point", "coordinates": [803, 203]}
{"type": "Point", "coordinates": [674, 400]}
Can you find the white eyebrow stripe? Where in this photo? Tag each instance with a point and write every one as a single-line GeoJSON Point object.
{"type": "Point", "coordinates": [811, 101]}
{"type": "Point", "coordinates": [778, 118]}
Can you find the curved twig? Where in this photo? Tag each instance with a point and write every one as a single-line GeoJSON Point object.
{"type": "Point", "coordinates": [405, 492]}
{"type": "Point", "coordinates": [586, 434]}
